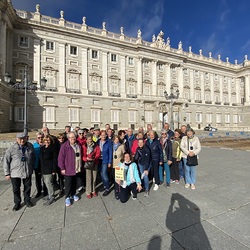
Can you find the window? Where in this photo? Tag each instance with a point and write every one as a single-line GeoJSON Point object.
{"type": "Point", "coordinates": [49, 114]}
{"type": "Point", "coordinates": [198, 117]}
{"type": "Point", "coordinates": [235, 118]}
{"type": "Point", "coordinates": [146, 65]}
{"type": "Point", "coordinates": [160, 90]}
{"type": "Point", "coordinates": [197, 96]}
{"type": "Point", "coordinates": [147, 89]}
{"type": "Point", "coordinates": [19, 114]}
{"type": "Point", "coordinates": [114, 86]}
{"type": "Point", "coordinates": [240, 117]}
{"type": "Point", "coordinates": [10, 113]}
{"type": "Point", "coordinates": [73, 81]}
{"type": "Point", "coordinates": [115, 116]}
{"type": "Point", "coordinates": [242, 100]}
{"type": "Point", "coordinates": [131, 116]}
{"type": "Point", "coordinates": [217, 99]}
{"type": "Point", "coordinates": [95, 115]}
{"type": "Point", "coordinates": [130, 61]}
{"type": "Point", "coordinates": [218, 118]}
{"type": "Point", "coordinates": [209, 118]}
{"type": "Point", "coordinates": [20, 72]}
{"type": "Point", "coordinates": [207, 97]}
{"type": "Point", "coordinates": [50, 46]}
{"type": "Point", "coordinates": [188, 117]}
{"type": "Point", "coordinates": [73, 50]}
{"type": "Point", "coordinates": [113, 58]}
{"type": "Point", "coordinates": [148, 116]}
{"type": "Point", "coordinates": [50, 76]}
{"type": "Point", "coordinates": [160, 66]}
{"type": "Point", "coordinates": [186, 95]}
{"type": "Point", "coordinates": [227, 118]}
{"type": "Point", "coordinates": [24, 41]}
{"type": "Point", "coordinates": [74, 115]}
{"type": "Point", "coordinates": [196, 73]}
{"type": "Point", "coordinates": [94, 54]}
{"type": "Point", "coordinates": [131, 88]}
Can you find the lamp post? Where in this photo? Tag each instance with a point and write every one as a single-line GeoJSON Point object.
{"type": "Point", "coordinates": [24, 85]}
{"type": "Point", "coordinates": [172, 96]}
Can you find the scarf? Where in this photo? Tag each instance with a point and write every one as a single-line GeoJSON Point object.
{"type": "Point", "coordinates": [78, 160]}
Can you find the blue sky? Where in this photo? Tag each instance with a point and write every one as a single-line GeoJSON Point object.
{"type": "Point", "coordinates": [219, 26]}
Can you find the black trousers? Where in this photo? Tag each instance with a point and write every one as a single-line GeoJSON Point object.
{"type": "Point", "coordinates": [174, 170]}
{"type": "Point", "coordinates": [70, 186]}
{"type": "Point", "coordinates": [16, 186]}
{"type": "Point", "coordinates": [124, 193]}
{"type": "Point", "coordinates": [155, 171]}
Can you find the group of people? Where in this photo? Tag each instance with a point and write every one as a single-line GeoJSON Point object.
{"type": "Point", "coordinates": [73, 160]}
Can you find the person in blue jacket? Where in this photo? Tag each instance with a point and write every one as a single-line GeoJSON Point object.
{"type": "Point", "coordinates": [143, 158]}
{"type": "Point", "coordinates": [105, 160]}
{"type": "Point", "coordinates": [157, 156]}
{"type": "Point", "coordinates": [132, 182]}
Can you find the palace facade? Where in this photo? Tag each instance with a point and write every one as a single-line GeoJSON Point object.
{"type": "Point", "coordinates": [96, 77]}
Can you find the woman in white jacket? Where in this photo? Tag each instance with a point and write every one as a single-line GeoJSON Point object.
{"type": "Point", "coordinates": [190, 145]}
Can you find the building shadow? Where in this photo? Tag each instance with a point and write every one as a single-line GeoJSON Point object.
{"type": "Point", "coordinates": [183, 220]}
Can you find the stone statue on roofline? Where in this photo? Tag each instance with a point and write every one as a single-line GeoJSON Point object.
{"type": "Point", "coordinates": [139, 34]}
{"type": "Point", "coordinates": [159, 40]}
{"type": "Point", "coordinates": [153, 38]}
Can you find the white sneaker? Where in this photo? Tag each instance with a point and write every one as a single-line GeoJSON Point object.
{"type": "Point", "coordinates": [156, 187]}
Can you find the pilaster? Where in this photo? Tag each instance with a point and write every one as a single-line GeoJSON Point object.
{"type": "Point", "coordinates": [168, 78]}
{"type": "Point", "coordinates": [192, 85]}
{"type": "Point", "coordinates": [37, 62]}
{"type": "Point", "coordinates": [202, 85]}
{"type": "Point", "coordinates": [212, 87]}
{"type": "Point", "coordinates": [180, 80]}
{"type": "Point", "coordinates": [62, 70]}
{"type": "Point", "coordinates": [123, 76]}
{"type": "Point", "coordinates": [154, 78]}
{"type": "Point", "coordinates": [85, 81]}
{"type": "Point", "coordinates": [139, 76]}
{"type": "Point", "coordinates": [221, 88]}
{"type": "Point", "coordinates": [105, 73]}
{"type": "Point", "coordinates": [229, 84]}
{"type": "Point", "coordinates": [247, 90]}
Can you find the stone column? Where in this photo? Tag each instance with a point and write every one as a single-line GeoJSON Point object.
{"type": "Point", "coordinates": [229, 84]}
{"type": "Point", "coordinates": [180, 80]}
{"type": "Point", "coordinates": [192, 85]}
{"type": "Point", "coordinates": [221, 88]}
{"type": "Point", "coordinates": [139, 76]}
{"type": "Point", "coordinates": [37, 62]}
{"type": "Point", "coordinates": [3, 47]}
{"type": "Point", "coordinates": [154, 78]}
{"type": "Point", "coordinates": [202, 85]}
{"type": "Point", "coordinates": [247, 90]}
{"type": "Point", "coordinates": [212, 87]}
{"type": "Point", "coordinates": [105, 73]}
{"type": "Point", "coordinates": [123, 76]}
{"type": "Point", "coordinates": [168, 78]}
{"type": "Point", "coordinates": [85, 81]}
{"type": "Point", "coordinates": [62, 68]}
{"type": "Point", "coordinates": [238, 90]}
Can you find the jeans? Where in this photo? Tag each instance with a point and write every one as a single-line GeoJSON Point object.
{"type": "Point", "coordinates": [190, 173]}
{"type": "Point", "coordinates": [155, 171]}
{"type": "Point", "coordinates": [167, 170]}
{"type": "Point", "coordinates": [145, 178]}
{"type": "Point", "coordinates": [103, 168]}
{"type": "Point", "coordinates": [182, 169]}
{"type": "Point", "coordinates": [48, 180]}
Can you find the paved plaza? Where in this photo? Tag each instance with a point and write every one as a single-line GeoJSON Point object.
{"type": "Point", "coordinates": [214, 216]}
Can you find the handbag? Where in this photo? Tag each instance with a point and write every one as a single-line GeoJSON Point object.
{"type": "Point", "coordinates": [89, 165]}
{"type": "Point", "coordinates": [192, 160]}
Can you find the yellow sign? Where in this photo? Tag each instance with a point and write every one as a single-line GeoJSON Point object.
{"type": "Point", "coordinates": [119, 173]}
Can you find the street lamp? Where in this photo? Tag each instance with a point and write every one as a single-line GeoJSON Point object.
{"type": "Point", "coordinates": [172, 96]}
{"type": "Point", "coordinates": [24, 85]}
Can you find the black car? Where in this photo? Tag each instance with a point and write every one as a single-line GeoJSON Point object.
{"type": "Point", "coordinates": [210, 128]}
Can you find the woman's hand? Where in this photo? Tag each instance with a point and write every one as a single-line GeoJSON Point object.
{"type": "Point", "coordinates": [139, 187]}
{"type": "Point", "coordinates": [146, 172]}
{"type": "Point", "coordinates": [169, 163]}
{"type": "Point", "coordinates": [63, 172]}
{"type": "Point", "coordinates": [118, 182]}
{"type": "Point", "coordinates": [191, 153]}
{"type": "Point", "coordinates": [109, 165]}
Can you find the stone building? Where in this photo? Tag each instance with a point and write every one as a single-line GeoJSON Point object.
{"type": "Point", "coordinates": [96, 77]}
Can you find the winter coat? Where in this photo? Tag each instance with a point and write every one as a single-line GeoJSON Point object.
{"type": "Point", "coordinates": [156, 150]}
{"type": "Point", "coordinates": [167, 148]}
{"type": "Point", "coordinates": [143, 156]}
{"type": "Point", "coordinates": [107, 151]}
{"type": "Point", "coordinates": [194, 142]}
{"type": "Point", "coordinates": [13, 164]}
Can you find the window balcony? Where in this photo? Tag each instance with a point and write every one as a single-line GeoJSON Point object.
{"type": "Point", "coordinates": [208, 102]}
{"type": "Point", "coordinates": [76, 91]}
{"type": "Point", "coordinates": [218, 103]}
{"type": "Point", "coordinates": [115, 94]}
{"type": "Point", "coordinates": [226, 103]}
{"type": "Point", "coordinates": [131, 96]}
{"type": "Point", "coordinates": [198, 101]}
{"type": "Point", "coordinates": [234, 104]}
{"type": "Point", "coordinates": [54, 89]}
{"type": "Point", "coordinates": [95, 92]}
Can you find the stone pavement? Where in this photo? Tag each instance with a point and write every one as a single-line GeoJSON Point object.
{"type": "Point", "coordinates": [214, 216]}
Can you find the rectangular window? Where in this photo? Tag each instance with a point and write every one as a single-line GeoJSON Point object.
{"type": "Point", "coordinates": [95, 115]}
{"type": "Point", "coordinates": [131, 116]}
{"type": "Point", "coordinates": [235, 118]}
{"type": "Point", "coordinates": [130, 61]}
{"type": "Point", "coordinates": [24, 41]}
{"type": "Point", "coordinates": [19, 114]}
{"type": "Point", "coordinates": [160, 66]}
{"type": "Point", "coordinates": [73, 50]}
{"type": "Point", "coordinates": [115, 116]}
{"type": "Point", "coordinates": [227, 118]}
{"type": "Point", "coordinates": [218, 118]}
{"type": "Point", "coordinates": [49, 114]}
{"type": "Point", "coordinates": [94, 54]}
{"type": "Point", "coordinates": [73, 115]}
{"type": "Point", "coordinates": [11, 113]}
{"type": "Point", "coordinates": [146, 65]}
{"type": "Point", "coordinates": [50, 46]}
{"type": "Point", "coordinates": [148, 116]}
{"type": "Point", "coordinates": [209, 118]}
{"type": "Point", "coordinates": [188, 117]}
{"type": "Point", "coordinates": [113, 58]}
{"type": "Point", "coordinates": [199, 117]}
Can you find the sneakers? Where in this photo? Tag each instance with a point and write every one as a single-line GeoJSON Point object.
{"type": "Point", "coordinates": [67, 202]}
{"type": "Point", "coordinates": [192, 186]}
{"type": "Point", "coordinates": [134, 196]}
{"type": "Point", "coordinates": [89, 196]}
{"type": "Point", "coordinates": [76, 198]}
{"type": "Point", "coordinates": [187, 185]}
{"type": "Point", "coordinates": [168, 185]}
{"type": "Point", "coordinates": [80, 189]}
{"type": "Point", "coordinates": [176, 182]}
{"type": "Point", "coordinates": [49, 201]}
{"type": "Point", "coordinates": [106, 192]}
{"type": "Point", "coordinates": [146, 194]}
{"type": "Point", "coordinates": [156, 187]}
{"type": "Point", "coordinates": [172, 181]}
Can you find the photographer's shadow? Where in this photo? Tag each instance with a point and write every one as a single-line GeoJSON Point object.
{"type": "Point", "coordinates": [183, 220]}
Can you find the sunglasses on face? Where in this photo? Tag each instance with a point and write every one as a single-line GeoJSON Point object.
{"type": "Point", "coordinates": [39, 138]}
{"type": "Point", "coordinates": [80, 133]}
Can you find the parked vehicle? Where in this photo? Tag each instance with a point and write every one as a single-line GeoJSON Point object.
{"type": "Point", "coordinates": [210, 128]}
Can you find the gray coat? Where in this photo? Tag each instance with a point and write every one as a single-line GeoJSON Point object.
{"type": "Point", "coordinates": [13, 164]}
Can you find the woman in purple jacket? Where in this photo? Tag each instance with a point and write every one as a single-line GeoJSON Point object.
{"type": "Point", "coordinates": [70, 163]}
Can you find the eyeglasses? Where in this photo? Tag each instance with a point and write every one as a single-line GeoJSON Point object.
{"type": "Point", "coordinates": [163, 133]}
{"type": "Point", "coordinates": [60, 138]}
{"type": "Point", "coordinates": [40, 138]}
{"type": "Point", "coordinates": [72, 138]}
{"type": "Point", "coordinates": [80, 133]}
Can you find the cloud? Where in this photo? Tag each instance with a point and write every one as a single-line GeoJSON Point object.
{"type": "Point", "coordinates": [209, 44]}
{"type": "Point", "coordinates": [245, 47]}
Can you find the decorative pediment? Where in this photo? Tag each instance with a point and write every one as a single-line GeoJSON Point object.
{"type": "Point", "coordinates": [225, 92]}
{"type": "Point", "coordinates": [147, 82]}
{"type": "Point", "coordinates": [161, 83]}
{"type": "Point", "coordinates": [233, 93]}
{"type": "Point", "coordinates": [131, 80]}
{"type": "Point", "coordinates": [197, 88]}
{"type": "Point", "coordinates": [208, 89]}
{"type": "Point", "coordinates": [217, 91]}
{"type": "Point", "coordinates": [174, 85]}
{"type": "Point", "coordinates": [73, 71]}
{"type": "Point", "coordinates": [114, 77]}
{"type": "Point", "coordinates": [48, 67]}
{"type": "Point", "coordinates": [95, 74]}
{"type": "Point", "coordinates": [186, 87]}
